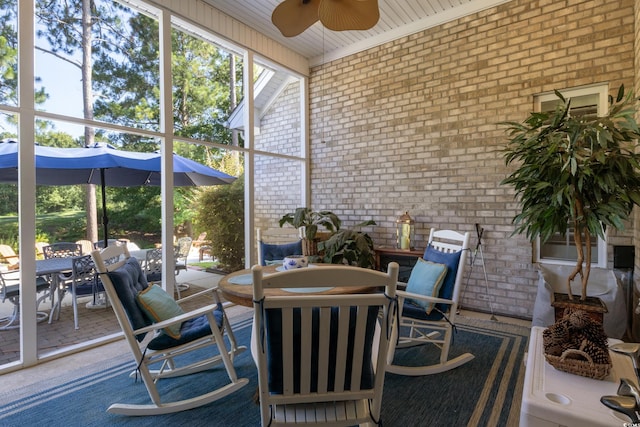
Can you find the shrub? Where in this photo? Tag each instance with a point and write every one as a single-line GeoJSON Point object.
{"type": "Point", "coordinates": [220, 212]}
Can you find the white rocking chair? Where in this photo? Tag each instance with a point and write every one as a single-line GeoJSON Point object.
{"type": "Point", "coordinates": [321, 358]}
{"type": "Point", "coordinates": [154, 340]}
{"type": "Point", "coordinates": [426, 318]}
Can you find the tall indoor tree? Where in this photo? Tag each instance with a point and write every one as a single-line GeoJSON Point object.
{"type": "Point", "coordinates": [572, 171]}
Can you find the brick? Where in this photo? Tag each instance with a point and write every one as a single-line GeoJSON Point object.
{"type": "Point", "coordinates": [412, 125]}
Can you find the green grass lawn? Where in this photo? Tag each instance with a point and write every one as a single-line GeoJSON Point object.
{"type": "Point", "coordinates": [67, 226]}
{"type": "Point", "coordinates": [61, 226]}
{"type": "Point", "coordinates": [204, 264]}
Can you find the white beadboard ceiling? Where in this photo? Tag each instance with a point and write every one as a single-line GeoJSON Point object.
{"type": "Point", "coordinates": [398, 18]}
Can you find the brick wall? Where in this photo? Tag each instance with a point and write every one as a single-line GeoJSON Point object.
{"type": "Point", "coordinates": [277, 179]}
{"type": "Point", "coordinates": [412, 125]}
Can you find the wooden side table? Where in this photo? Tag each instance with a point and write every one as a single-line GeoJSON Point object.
{"type": "Point", "coordinates": [406, 259]}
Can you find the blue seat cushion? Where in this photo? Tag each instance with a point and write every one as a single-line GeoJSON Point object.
{"type": "Point", "coordinates": [190, 330]}
{"type": "Point", "coordinates": [128, 281]}
{"type": "Point", "coordinates": [89, 288]}
{"type": "Point", "coordinates": [154, 277]}
{"type": "Point", "coordinates": [273, 252]}
{"type": "Point", "coordinates": [13, 291]}
{"type": "Point", "coordinates": [273, 325]}
{"type": "Point", "coordinates": [414, 311]}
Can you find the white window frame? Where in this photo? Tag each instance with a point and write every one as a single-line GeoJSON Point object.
{"type": "Point", "coordinates": [598, 93]}
{"type": "Point", "coordinates": [26, 113]}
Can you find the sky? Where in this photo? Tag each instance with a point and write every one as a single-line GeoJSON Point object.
{"type": "Point", "coordinates": [62, 81]}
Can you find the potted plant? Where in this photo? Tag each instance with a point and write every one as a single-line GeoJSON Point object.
{"type": "Point", "coordinates": [577, 172]}
{"type": "Point", "coordinates": [307, 221]}
{"type": "Point", "coordinates": [349, 247]}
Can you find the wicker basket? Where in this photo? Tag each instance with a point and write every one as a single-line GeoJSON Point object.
{"type": "Point", "coordinates": [583, 366]}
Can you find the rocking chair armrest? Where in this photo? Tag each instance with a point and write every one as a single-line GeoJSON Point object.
{"type": "Point", "coordinates": [403, 294]}
{"type": "Point", "coordinates": [401, 286]}
{"type": "Point", "coordinates": [213, 291]}
{"type": "Point", "coordinates": [177, 319]}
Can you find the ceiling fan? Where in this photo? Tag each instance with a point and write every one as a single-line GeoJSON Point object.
{"type": "Point", "coordinates": [292, 17]}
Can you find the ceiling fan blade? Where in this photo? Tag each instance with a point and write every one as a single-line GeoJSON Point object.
{"type": "Point", "coordinates": [341, 15]}
{"type": "Point", "coordinates": [292, 17]}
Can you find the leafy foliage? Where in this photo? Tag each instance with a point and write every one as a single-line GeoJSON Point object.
{"type": "Point", "coordinates": [118, 56]}
{"type": "Point", "coordinates": [343, 246]}
{"type": "Point", "coordinates": [310, 220]}
{"type": "Point", "coordinates": [65, 226]}
{"type": "Point", "coordinates": [575, 171]}
{"type": "Point", "coordinates": [220, 213]}
{"type": "Point", "coordinates": [349, 247]}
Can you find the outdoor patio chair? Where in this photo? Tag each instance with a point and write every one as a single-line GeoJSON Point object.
{"type": "Point", "coordinates": [61, 250]}
{"type": "Point", "coordinates": [201, 240]}
{"type": "Point", "coordinates": [321, 358]}
{"type": "Point", "coordinates": [10, 290]}
{"type": "Point", "coordinates": [100, 243]}
{"type": "Point", "coordinates": [84, 282]}
{"type": "Point", "coordinates": [153, 265]}
{"type": "Point", "coordinates": [274, 253]}
{"type": "Point", "coordinates": [429, 304]}
{"type": "Point", "coordinates": [39, 251]}
{"type": "Point", "coordinates": [86, 246]}
{"type": "Point", "coordinates": [9, 257]}
{"type": "Point", "coordinates": [181, 250]}
{"type": "Point", "coordinates": [159, 332]}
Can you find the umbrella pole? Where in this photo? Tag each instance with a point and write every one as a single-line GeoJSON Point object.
{"type": "Point", "coordinates": [105, 220]}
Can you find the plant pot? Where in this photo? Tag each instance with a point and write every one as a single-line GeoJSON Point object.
{"type": "Point", "coordinates": [310, 247]}
{"type": "Point", "coordinates": [602, 284]}
{"type": "Point", "coordinates": [562, 305]}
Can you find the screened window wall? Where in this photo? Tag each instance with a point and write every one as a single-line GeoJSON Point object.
{"type": "Point", "coordinates": [151, 82]}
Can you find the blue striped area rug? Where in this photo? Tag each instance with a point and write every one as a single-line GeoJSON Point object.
{"type": "Point", "coordinates": [484, 392]}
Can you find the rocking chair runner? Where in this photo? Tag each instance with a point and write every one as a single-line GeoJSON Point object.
{"type": "Point", "coordinates": [428, 312]}
{"type": "Point", "coordinates": [159, 332]}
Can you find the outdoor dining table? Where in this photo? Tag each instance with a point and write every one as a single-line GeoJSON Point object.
{"type": "Point", "coordinates": [237, 287]}
{"type": "Point", "coordinates": [54, 267]}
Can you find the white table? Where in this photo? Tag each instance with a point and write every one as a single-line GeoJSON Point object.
{"type": "Point", "coordinates": [555, 398]}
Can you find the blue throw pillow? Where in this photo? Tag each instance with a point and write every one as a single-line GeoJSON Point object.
{"type": "Point", "coordinates": [426, 279]}
{"type": "Point", "coordinates": [451, 260]}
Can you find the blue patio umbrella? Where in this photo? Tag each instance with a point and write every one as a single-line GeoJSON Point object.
{"type": "Point", "coordinates": [103, 165]}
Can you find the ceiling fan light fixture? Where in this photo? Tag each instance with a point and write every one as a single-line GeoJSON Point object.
{"type": "Point", "coordinates": [293, 17]}
{"type": "Point", "coordinates": [343, 15]}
